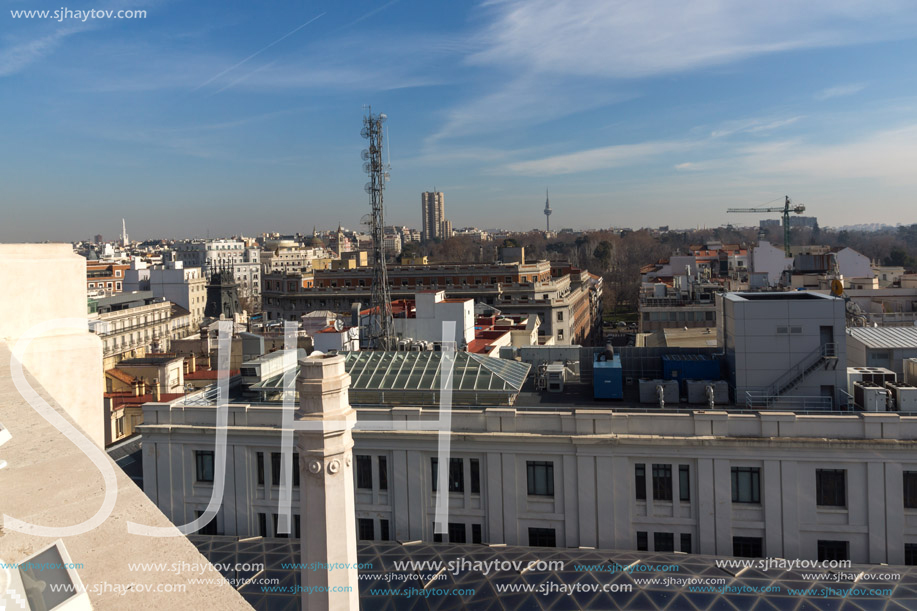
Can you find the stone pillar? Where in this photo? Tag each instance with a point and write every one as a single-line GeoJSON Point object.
{"type": "Point", "coordinates": [325, 446]}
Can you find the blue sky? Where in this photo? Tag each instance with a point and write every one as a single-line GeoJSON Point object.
{"type": "Point", "coordinates": [241, 117]}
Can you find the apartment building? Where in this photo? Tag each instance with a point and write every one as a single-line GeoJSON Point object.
{"type": "Point", "coordinates": [129, 324]}
{"type": "Point", "coordinates": [779, 484]}
{"type": "Point", "coordinates": [210, 255]}
{"type": "Point", "coordinates": [567, 300]}
{"type": "Point", "coordinates": [433, 214]}
{"type": "Point", "coordinates": [105, 277]}
{"type": "Point", "coordinates": [183, 286]}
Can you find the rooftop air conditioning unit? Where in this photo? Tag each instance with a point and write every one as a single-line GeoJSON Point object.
{"type": "Point", "coordinates": [874, 375]}
{"type": "Point", "coordinates": [902, 397]}
{"type": "Point", "coordinates": [870, 397]}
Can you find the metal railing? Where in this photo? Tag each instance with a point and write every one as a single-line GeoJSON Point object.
{"type": "Point", "coordinates": [764, 401]}
{"type": "Point", "coordinates": [795, 374]}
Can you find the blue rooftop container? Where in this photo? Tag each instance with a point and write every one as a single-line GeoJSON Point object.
{"type": "Point", "coordinates": [690, 367]}
{"type": "Point", "coordinates": [607, 377]}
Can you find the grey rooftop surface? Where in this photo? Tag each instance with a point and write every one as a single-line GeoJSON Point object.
{"type": "Point", "coordinates": [885, 337]}
{"type": "Point", "coordinates": [383, 588]}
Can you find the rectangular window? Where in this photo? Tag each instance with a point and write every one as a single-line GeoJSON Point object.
{"type": "Point", "coordinates": [262, 524]}
{"type": "Point", "coordinates": [640, 481]}
{"type": "Point", "coordinates": [210, 528]}
{"type": "Point", "coordinates": [831, 487]}
{"type": "Point", "coordinates": [542, 537]}
{"type": "Point", "coordinates": [684, 483]}
{"type": "Point", "coordinates": [296, 531]}
{"type": "Point", "coordinates": [662, 482]}
{"type": "Point", "coordinates": [275, 468]}
{"type": "Point", "coordinates": [540, 477]}
{"type": "Point", "coordinates": [204, 463]}
{"type": "Point", "coordinates": [260, 468]}
{"type": "Point", "coordinates": [910, 489]}
{"type": "Point", "coordinates": [456, 533]}
{"type": "Point", "coordinates": [365, 530]}
{"type": "Point", "coordinates": [456, 475]}
{"type": "Point", "coordinates": [663, 542]}
{"type": "Point", "coordinates": [383, 530]}
{"type": "Point", "coordinates": [437, 537]}
{"type": "Point", "coordinates": [747, 547]}
{"type": "Point", "coordinates": [296, 469]}
{"type": "Point", "coordinates": [476, 533]}
{"type": "Point", "coordinates": [833, 550]}
{"type": "Point", "coordinates": [475, 467]}
{"type": "Point", "coordinates": [277, 533]}
{"type": "Point", "coordinates": [434, 470]}
{"type": "Point", "coordinates": [364, 472]}
{"type": "Point", "coordinates": [746, 485]}
{"type": "Point", "coordinates": [383, 473]}
{"type": "Point", "coordinates": [910, 554]}
{"type": "Point", "coordinates": [642, 541]}
{"type": "Point", "coordinates": [686, 542]}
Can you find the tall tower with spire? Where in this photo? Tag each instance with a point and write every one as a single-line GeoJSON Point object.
{"type": "Point", "coordinates": [547, 209]}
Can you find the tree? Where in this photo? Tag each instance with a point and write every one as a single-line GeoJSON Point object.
{"type": "Point", "coordinates": [603, 253]}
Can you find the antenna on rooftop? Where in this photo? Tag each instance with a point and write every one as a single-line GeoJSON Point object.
{"type": "Point", "coordinates": [380, 300]}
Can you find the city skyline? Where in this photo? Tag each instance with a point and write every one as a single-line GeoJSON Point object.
{"type": "Point", "coordinates": [231, 121]}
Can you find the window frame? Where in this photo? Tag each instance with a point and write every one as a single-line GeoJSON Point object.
{"type": "Point", "coordinates": [664, 542]}
{"type": "Point", "coordinates": [540, 537]}
{"type": "Point", "coordinates": [363, 469]}
{"type": "Point", "coordinates": [532, 470]}
{"type": "Point", "coordinates": [662, 482]}
{"type": "Point", "coordinates": [684, 483]}
{"type": "Point", "coordinates": [640, 481]}
{"type": "Point", "coordinates": [910, 500]}
{"type": "Point", "coordinates": [831, 487]}
{"type": "Point", "coordinates": [748, 546]}
{"type": "Point", "coordinates": [754, 485]}
{"type": "Point", "coordinates": [200, 467]}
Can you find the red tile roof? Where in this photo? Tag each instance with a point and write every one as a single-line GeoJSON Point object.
{"type": "Point", "coordinates": [123, 376]}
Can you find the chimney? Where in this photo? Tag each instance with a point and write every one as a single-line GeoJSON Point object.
{"type": "Point", "coordinates": [156, 395]}
{"type": "Point", "coordinates": [142, 386]}
{"type": "Point", "coordinates": [136, 386]}
{"type": "Point", "coordinates": [193, 366]}
{"type": "Point", "coordinates": [326, 476]}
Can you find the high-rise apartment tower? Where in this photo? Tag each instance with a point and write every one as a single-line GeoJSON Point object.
{"type": "Point", "coordinates": [433, 211]}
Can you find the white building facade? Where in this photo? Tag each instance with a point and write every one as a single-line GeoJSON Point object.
{"type": "Point", "coordinates": [756, 484]}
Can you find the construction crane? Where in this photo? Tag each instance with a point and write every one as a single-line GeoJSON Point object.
{"type": "Point", "coordinates": [786, 209]}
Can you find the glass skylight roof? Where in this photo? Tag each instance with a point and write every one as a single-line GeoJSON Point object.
{"type": "Point", "coordinates": [414, 378]}
{"type": "Point", "coordinates": [374, 370]}
{"type": "Point", "coordinates": [735, 595]}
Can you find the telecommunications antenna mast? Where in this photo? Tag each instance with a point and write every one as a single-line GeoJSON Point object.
{"type": "Point", "coordinates": [380, 301]}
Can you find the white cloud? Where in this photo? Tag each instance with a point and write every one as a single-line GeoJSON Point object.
{"type": "Point", "coordinates": [18, 56]}
{"type": "Point", "coordinates": [889, 156]}
{"type": "Point", "coordinates": [593, 45]}
{"type": "Point", "coordinates": [839, 91]}
{"type": "Point", "coordinates": [751, 126]}
{"type": "Point", "coordinates": [625, 38]}
{"type": "Point", "coordinates": [595, 159]}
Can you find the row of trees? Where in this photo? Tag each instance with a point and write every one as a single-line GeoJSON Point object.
{"type": "Point", "coordinates": [618, 255]}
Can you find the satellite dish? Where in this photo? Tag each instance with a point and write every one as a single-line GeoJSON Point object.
{"type": "Point", "coordinates": [837, 288]}
{"type": "Point", "coordinates": [338, 325]}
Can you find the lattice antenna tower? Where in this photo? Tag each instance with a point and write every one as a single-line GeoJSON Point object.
{"type": "Point", "coordinates": [380, 301]}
